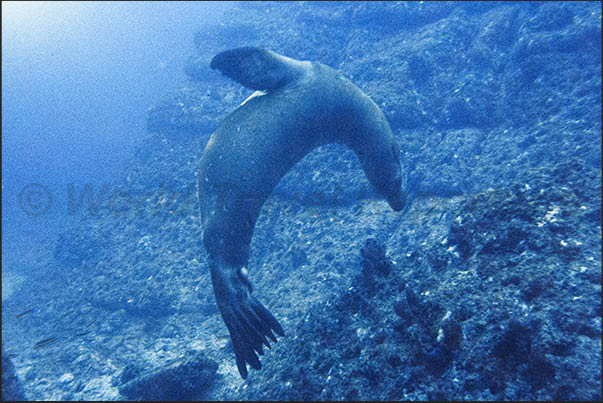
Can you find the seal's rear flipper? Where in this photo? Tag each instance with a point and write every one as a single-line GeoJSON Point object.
{"type": "Point", "coordinates": [257, 68]}
{"type": "Point", "coordinates": [249, 328]}
{"type": "Point", "coordinates": [250, 324]}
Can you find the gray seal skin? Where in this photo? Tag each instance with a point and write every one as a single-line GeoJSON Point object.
{"type": "Point", "coordinates": [306, 104]}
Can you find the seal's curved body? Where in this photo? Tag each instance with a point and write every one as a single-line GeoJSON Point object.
{"type": "Point", "coordinates": [306, 105]}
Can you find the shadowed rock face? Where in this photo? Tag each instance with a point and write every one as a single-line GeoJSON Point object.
{"type": "Point", "coordinates": [188, 379]}
{"type": "Point", "coordinates": [11, 386]}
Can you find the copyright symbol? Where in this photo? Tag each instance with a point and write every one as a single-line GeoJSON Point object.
{"type": "Point", "coordinates": [34, 199]}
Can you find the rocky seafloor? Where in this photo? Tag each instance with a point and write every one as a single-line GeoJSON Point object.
{"type": "Point", "coordinates": [487, 287]}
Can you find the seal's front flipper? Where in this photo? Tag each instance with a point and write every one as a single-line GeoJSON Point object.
{"type": "Point", "coordinates": [250, 324]}
{"type": "Point", "coordinates": [257, 68]}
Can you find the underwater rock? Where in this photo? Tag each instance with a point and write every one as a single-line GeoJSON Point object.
{"type": "Point", "coordinates": [148, 301]}
{"type": "Point", "coordinates": [185, 111]}
{"type": "Point", "coordinates": [188, 379]}
{"type": "Point", "coordinates": [374, 261]}
{"type": "Point", "coordinates": [436, 359]}
{"type": "Point", "coordinates": [375, 268]}
{"type": "Point", "coordinates": [533, 218]}
{"type": "Point", "coordinates": [11, 385]}
{"type": "Point", "coordinates": [453, 334]}
{"type": "Point", "coordinates": [129, 373]}
{"type": "Point", "coordinates": [77, 248]}
{"type": "Point", "coordinates": [425, 313]}
{"type": "Point", "coordinates": [539, 371]}
{"type": "Point", "coordinates": [537, 287]}
{"type": "Point", "coordinates": [515, 344]}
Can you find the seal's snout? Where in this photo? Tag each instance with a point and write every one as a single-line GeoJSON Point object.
{"type": "Point", "coordinates": [397, 201]}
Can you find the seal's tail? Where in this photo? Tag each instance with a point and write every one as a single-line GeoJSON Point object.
{"type": "Point", "coordinates": [250, 327]}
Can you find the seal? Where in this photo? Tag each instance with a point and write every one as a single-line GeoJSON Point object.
{"type": "Point", "coordinates": [302, 105]}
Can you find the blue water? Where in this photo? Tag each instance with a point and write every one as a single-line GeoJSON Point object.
{"type": "Point", "coordinates": [486, 286]}
{"type": "Point", "coordinates": [77, 80]}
